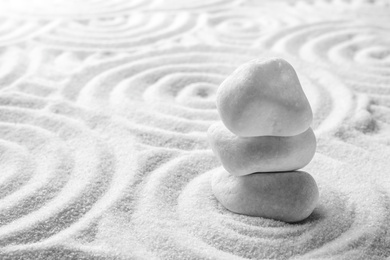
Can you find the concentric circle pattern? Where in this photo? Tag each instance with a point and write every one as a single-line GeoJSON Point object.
{"type": "Point", "coordinates": [59, 172]}
{"type": "Point", "coordinates": [133, 31]}
{"type": "Point", "coordinates": [360, 52]}
{"type": "Point", "coordinates": [241, 27]}
{"type": "Point", "coordinates": [104, 108]}
{"type": "Point", "coordinates": [255, 20]}
{"type": "Point", "coordinates": [173, 89]}
{"type": "Point", "coordinates": [205, 229]}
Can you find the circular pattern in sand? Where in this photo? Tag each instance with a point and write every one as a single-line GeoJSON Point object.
{"type": "Point", "coordinates": [358, 51]}
{"type": "Point", "coordinates": [134, 31]}
{"type": "Point", "coordinates": [177, 214]}
{"type": "Point", "coordinates": [62, 168]}
{"type": "Point", "coordinates": [243, 26]}
{"type": "Point", "coordinates": [74, 179]}
{"type": "Point", "coordinates": [104, 153]}
{"type": "Point", "coordinates": [173, 89]}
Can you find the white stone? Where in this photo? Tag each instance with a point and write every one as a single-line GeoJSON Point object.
{"type": "Point", "coordinates": [246, 155]}
{"type": "Point", "coordinates": [264, 97]}
{"type": "Point", "coordinates": [285, 196]}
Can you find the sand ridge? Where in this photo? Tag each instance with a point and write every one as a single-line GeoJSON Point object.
{"type": "Point", "coordinates": [104, 108]}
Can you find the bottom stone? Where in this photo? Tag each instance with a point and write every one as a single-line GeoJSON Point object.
{"type": "Point", "coordinates": [286, 196]}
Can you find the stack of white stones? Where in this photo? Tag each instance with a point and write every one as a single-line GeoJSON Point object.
{"type": "Point", "coordinates": [264, 138]}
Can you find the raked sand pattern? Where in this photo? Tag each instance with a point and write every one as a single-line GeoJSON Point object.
{"type": "Point", "coordinates": [104, 108]}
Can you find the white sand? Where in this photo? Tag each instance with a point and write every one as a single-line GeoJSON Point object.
{"type": "Point", "coordinates": [104, 107]}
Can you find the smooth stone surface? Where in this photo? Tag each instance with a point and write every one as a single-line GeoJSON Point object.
{"type": "Point", "coordinates": [264, 97]}
{"type": "Point", "coordinates": [245, 155]}
{"type": "Point", "coordinates": [285, 196]}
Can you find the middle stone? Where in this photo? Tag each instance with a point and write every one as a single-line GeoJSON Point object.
{"type": "Point", "coordinates": [246, 155]}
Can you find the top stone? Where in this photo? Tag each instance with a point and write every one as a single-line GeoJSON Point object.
{"type": "Point", "coordinates": [264, 97]}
